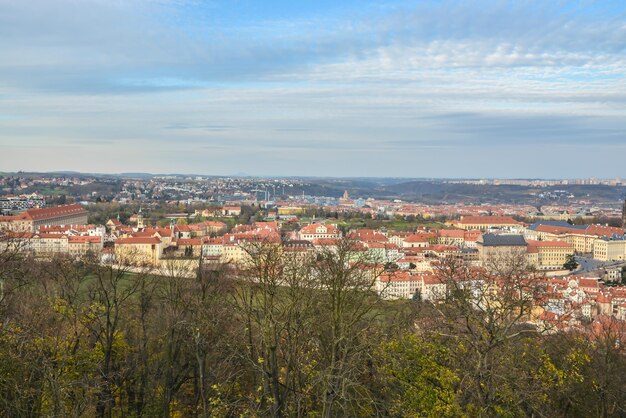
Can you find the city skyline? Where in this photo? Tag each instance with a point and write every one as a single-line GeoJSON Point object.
{"type": "Point", "coordinates": [162, 175]}
{"type": "Point", "coordinates": [348, 89]}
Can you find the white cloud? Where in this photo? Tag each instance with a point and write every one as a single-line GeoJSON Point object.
{"type": "Point", "coordinates": [83, 78]}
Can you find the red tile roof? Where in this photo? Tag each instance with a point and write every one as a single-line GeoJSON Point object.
{"type": "Point", "coordinates": [50, 236]}
{"type": "Point", "coordinates": [84, 239]}
{"type": "Point", "coordinates": [549, 244]}
{"type": "Point", "coordinates": [444, 248]}
{"type": "Point", "coordinates": [472, 235]}
{"type": "Point", "coordinates": [556, 230]}
{"type": "Point", "coordinates": [312, 229]}
{"type": "Point", "coordinates": [488, 220]}
{"type": "Point", "coordinates": [398, 276]}
{"type": "Point", "coordinates": [418, 238]}
{"type": "Point", "coordinates": [215, 224]}
{"type": "Point", "coordinates": [149, 232]}
{"type": "Point", "coordinates": [138, 240]}
{"type": "Point", "coordinates": [603, 230]}
{"type": "Point", "coordinates": [267, 225]}
{"type": "Point", "coordinates": [368, 235]}
{"type": "Point", "coordinates": [53, 212]}
{"type": "Point", "coordinates": [588, 283]}
{"type": "Point", "coordinates": [452, 233]}
{"type": "Point", "coordinates": [189, 241]}
{"type": "Point", "coordinates": [325, 241]}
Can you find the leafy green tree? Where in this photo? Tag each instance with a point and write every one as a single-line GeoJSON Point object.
{"type": "Point", "coordinates": [570, 263]}
{"type": "Point", "coordinates": [391, 266]}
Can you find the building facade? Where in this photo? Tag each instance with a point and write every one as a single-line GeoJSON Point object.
{"type": "Point", "coordinates": [496, 250]}
{"type": "Point", "coordinates": [32, 219]}
{"type": "Point", "coordinates": [609, 249]}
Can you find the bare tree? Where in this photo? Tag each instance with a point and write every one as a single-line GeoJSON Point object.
{"type": "Point", "coordinates": [347, 309]}
{"type": "Point", "coordinates": [111, 292]}
{"type": "Point", "coordinates": [16, 262]}
{"type": "Point", "coordinates": [213, 344]}
{"type": "Point", "coordinates": [275, 301]}
{"type": "Point", "coordinates": [175, 330]}
{"type": "Point", "coordinates": [607, 367]}
{"type": "Point", "coordinates": [483, 313]}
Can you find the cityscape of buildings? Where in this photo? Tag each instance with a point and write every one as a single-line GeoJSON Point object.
{"type": "Point", "coordinates": [410, 242]}
{"type": "Point", "coordinates": [397, 208]}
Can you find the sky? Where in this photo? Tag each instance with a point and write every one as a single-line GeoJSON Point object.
{"type": "Point", "coordinates": [356, 88]}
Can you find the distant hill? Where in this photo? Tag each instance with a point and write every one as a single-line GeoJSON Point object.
{"type": "Point", "coordinates": [137, 175]}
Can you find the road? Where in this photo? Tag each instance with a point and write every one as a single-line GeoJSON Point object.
{"type": "Point", "coordinates": [588, 264]}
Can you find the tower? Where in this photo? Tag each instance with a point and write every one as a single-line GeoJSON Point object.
{"type": "Point", "coordinates": [624, 214]}
{"type": "Point", "coordinates": [140, 220]}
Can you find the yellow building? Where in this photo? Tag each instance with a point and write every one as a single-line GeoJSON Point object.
{"type": "Point", "coordinates": [113, 224]}
{"type": "Point", "coordinates": [82, 245]}
{"type": "Point", "coordinates": [582, 243]}
{"type": "Point", "coordinates": [241, 250]}
{"type": "Point", "coordinates": [187, 247]}
{"type": "Point", "coordinates": [609, 250]}
{"type": "Point", "coordinates": [48, 245]}
{"type": "Point", "coordinates": [549, 254]}
{"type": "Point", "coordinates": [138, 250]}
{"type": "Point", "coordinates": [582, 238]}
{"type": "Point", "coordinates": [290, 210]}
{"type": "Point", "coordinates": [298, 250]}
{"type": "Point", "coordinates": [484, 223]}
{"type": "Point", "coordinates": [233, 252]}
{"type": "Point", "coordinates": [163, 234]}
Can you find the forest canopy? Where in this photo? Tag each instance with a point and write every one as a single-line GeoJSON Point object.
{"type": "Point", "coordinates": [289, 336]}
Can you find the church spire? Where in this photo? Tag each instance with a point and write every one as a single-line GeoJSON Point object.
{"type": "Point", "coordinates": [140, 220]}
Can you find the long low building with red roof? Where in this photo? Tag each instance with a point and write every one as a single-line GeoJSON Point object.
{"type": "Point", "coordinates": [54, 244]}
{"type": "Point", "coordinates": [484, 223]}
{"type": "Point", "coordinates": [32, 219]}
{"type": "Point", "coordinates": [583, 238]}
